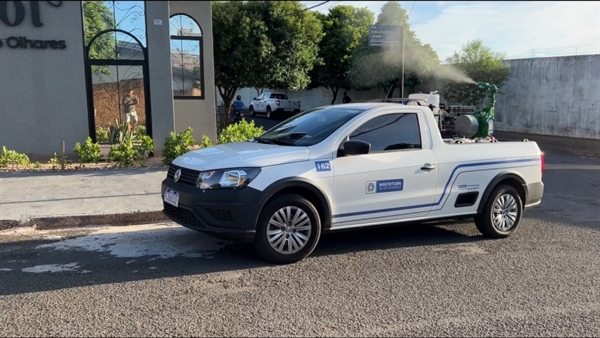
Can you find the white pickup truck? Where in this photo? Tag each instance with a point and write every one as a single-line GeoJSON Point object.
{"type": "Point", "coordinates": [349, 166]}
{"type": "Point", "coordinates": [274, 104]}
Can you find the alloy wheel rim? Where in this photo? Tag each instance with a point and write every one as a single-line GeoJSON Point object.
{"type": "Point", "coordinates": [505, 212]}
{"type": "Point", "coordinates": [289, 230]}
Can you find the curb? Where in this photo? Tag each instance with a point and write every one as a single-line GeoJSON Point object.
{"type": "Point", "coordinates": [62, 222]}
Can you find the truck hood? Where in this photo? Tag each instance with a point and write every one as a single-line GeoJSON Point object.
{"type": "Point", "coordinates": [241, 154]}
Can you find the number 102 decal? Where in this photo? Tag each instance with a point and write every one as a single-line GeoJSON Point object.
{"type": "Point", "coordinates": [324, 165]}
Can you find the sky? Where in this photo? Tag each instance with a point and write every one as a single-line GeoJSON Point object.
{"type": "Point", "coordinates": [517, 28]}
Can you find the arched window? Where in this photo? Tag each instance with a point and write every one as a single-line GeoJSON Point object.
{"type": "Point", "coordinates": [186, 57]}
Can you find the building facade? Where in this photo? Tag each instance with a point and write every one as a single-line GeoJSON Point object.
{"type": "Point", "coordinates": [67, 66]}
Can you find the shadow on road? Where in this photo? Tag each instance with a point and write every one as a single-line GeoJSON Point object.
{"type": "Point", "coordinates": [103, 267]}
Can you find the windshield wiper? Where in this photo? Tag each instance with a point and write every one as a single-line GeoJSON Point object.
{"type": "Point", "coordinates": [264, 140]}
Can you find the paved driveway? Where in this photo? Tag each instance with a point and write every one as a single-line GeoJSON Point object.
{"type": "Point", "coordinates": [158, 280]}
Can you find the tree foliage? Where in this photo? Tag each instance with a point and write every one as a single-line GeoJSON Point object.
{"type": "Point", "coordinates": [294, 35]}
{"type": "Point", "coordinates": [240, 44]}
{"type": "Point", "coordinates": [262, 44]}
{"type": "Point", "coordinates": [381, 67]}
{"type": "Point", "coordinates": [344, 28]}
{"type": "Point", "coordinates": [480, 64]}
{"type": "Point", "coordinates": [98, 17]}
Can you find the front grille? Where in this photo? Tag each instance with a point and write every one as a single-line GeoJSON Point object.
{"type": "Point", "coordinates": [188, 176]}
{"type": "Point", "coordinates": [180, 215]}
{"type": "Point", "coordinates": [222, 215]}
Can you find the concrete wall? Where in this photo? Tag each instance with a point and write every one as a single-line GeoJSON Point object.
{"type": "Point", "coordinates": [200, 114]}
{"type": "Point", "coordinates": [310, 98]}
{"type": "Point", "coordinates": [42, 91]}
{"type": "Point", "coordinates": [159, 64]}
{"type": "Point", "coordinates": [552, 96]}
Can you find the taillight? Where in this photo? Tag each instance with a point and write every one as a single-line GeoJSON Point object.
{"type": "Point", "coordinates": [277, 102]}
{"type": "Point", "coordinates": [543, 161]}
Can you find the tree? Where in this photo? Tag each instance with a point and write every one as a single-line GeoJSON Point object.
{"type": "Point", "coordinates": [240, 46]}
{"type": "Point", "coordinates": [344, 28]}
{"type": "Point", "coordinates": [381, 67]}
{"type": "Point", "coordinates": [478, 64]}
{"type": "Point", "coordinates": [98, 17]}
{"type": "Point", "coordinates": [294, 34]}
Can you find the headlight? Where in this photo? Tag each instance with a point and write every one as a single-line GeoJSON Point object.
{"type": "Point", "coordinates": [226, 178]}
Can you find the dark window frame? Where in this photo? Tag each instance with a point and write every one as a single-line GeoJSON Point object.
{"type": "Point", "coordinates": [420, 145]}
{"type": "Point", "coordinates": [200, 40]}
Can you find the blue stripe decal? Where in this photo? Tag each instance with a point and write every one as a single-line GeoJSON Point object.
{"type": "Point", "coordinates": [467, 165]}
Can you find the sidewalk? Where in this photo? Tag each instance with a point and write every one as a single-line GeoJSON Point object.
{"type": "Point", "coordinates": [37, 195]}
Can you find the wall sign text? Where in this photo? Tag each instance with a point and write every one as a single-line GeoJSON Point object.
{"type": "Point", "coordinates": [14, 13]}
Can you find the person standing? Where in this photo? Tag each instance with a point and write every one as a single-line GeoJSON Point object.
{"type": "Point", "coordinates": [129, 103]}
{"type": "Point", "coordinates": [346, 98]}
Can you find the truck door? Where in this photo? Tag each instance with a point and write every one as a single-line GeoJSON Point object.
{"type": "Point", "coordinates": [257, 103]}
{"type": "Point", "coordinates": [397, 179]}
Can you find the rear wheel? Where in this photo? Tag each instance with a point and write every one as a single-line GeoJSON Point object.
{"type": "Point", "coordinates": [251, 111]}
{"type": "Point", "coordinates": [269, 114]}
{"type": "Point", "coordinates": [288, 230]}
{"type": "Point", "coordinates": [501, 214]}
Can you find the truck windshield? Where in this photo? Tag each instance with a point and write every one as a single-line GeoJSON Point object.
{"type": "Point", "coordinates": [310, 127]}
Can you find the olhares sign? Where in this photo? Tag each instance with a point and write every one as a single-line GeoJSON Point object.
{"type": "Point", "coordinates": [18, 13]}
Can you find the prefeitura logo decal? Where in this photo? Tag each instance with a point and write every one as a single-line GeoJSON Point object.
{"type": "Point", "coordinates": [376, 187]}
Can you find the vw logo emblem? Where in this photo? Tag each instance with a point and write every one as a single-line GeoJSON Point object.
{"type": "Point", "coordinates": [177, 175]}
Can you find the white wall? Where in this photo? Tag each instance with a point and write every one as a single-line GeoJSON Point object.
{"type": "Point", "coordinates": [310, 98]}
{"type": "Point", "coordinates": [552, 96]}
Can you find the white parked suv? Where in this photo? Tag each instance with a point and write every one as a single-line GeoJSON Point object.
{"type": "Point", "coordinates": [349, 166]}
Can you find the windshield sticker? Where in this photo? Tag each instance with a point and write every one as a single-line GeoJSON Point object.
{"type": "Point", "coordinates": [376, 187]}
{"type": "Point", "coordinates": [323, 165]}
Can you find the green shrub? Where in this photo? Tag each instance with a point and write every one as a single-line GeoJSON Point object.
{"type": "Point", "coordinates": [177, 144]}
{"type": "Point", "coordinates": [88, 152]}
{"type": "Point", "coordinates": [140, 130]}
{"type": "Point", "coordinates": [206, 142]}
{"type": "Point", "coordinates": [13, 158]}
{"type": "Point", "coordinates": [240, 132]}
{"type": "Point", "coordinates": [128, 153]}
{"type": "Point", "coordinates": [101, 135]}
{"type": "Point", "coordinates": [59, 161]}
{"type": "Point", "coordinates": [119, 133]}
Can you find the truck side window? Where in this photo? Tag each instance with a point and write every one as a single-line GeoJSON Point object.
{"type": "Point", "coordinates": [390, 132]}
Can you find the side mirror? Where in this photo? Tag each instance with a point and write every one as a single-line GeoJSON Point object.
{"type": "Point", "coordinates": [254, 98]}
{"type": "Point", "coordinates": [355, 147]}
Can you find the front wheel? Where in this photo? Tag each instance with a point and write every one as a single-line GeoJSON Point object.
{"type": "Point", "coordinates": [288, 230]}
{"type": "Point", "coordinates": [501, 214]}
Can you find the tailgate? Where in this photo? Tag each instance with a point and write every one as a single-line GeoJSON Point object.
{"type": "Point", "coordinates": [289, 104]}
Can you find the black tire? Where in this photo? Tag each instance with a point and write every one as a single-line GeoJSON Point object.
{"type": "Point", "coordinates": [269, 113]}
{"type": "Point", "coordinates": [485, 220]}
{"type": "Point", "coordinates": [273, 209]}
{"type": "Point", "coordinates": [251, 111]}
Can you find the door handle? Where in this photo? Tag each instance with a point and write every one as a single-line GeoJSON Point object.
{"type": "Point", "coordinates": [428, 166]}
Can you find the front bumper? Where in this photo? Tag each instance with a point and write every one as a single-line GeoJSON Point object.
{"type": "Point", "coordinates": [230, 214]}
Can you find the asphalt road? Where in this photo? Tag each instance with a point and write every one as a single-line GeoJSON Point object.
{"type": "Point", "coordinates": [159, 280]}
